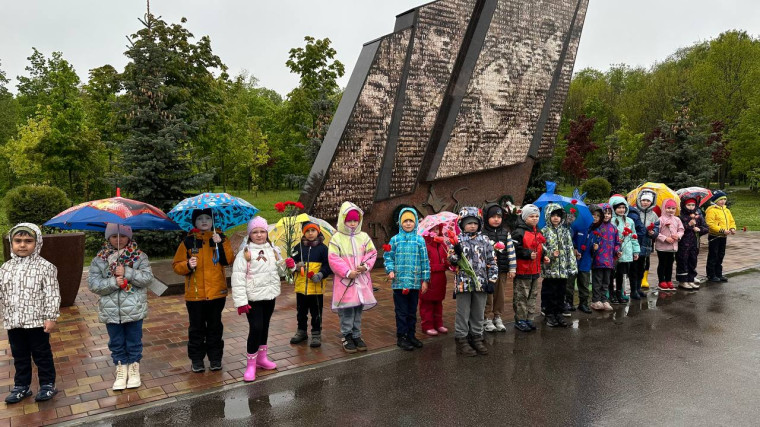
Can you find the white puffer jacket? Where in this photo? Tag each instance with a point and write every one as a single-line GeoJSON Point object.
{"type": "Point", "coordinates": [259, 278]}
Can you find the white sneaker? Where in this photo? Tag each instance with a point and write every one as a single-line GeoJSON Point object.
{"type": "Point", "coordinates": [133, 374]}
{"type": "Point", "coordinates": [694, 285]}
{"type": "Point", "coordinates": [499, 324]}
{"type": "Point", "coordinates": [608, 306]}
{"type": "Point", "coordinates": [489, 326]}
{"type": "Point", "coordinates": [684, 285]}
{"type": "Point", "coordinates": [121, 377]}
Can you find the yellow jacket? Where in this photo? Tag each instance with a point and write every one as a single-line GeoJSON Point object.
{"type": "Point", "coordinates": [207, 281]}
{"type": "Point", "coordinates": [719, 220]}
{"type": "Point", "coordinates": [314, 257]}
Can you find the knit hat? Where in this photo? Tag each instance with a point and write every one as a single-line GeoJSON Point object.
{"type": "Point", "coordinates": [114, 229]}
{"type": "Point", "coordinates": [529, 210]}
{"type": "Point", "coordinates": [669, 203]}
{"type": "Point", "coordinates": [353, 215]}
{"type": "Point", "coordinates": [308, 225]}
{"type": "Point", "coordinates": [257, 222]}
{"type": "Point", "coordinates": [407, 215]}
{"type": "Point", "coordinates": [647, 195]}
{"type": "Point", "coordinates": [469, 220]}
{"type": "Point", "coordinates": [199, 212]}
{"type": "Point", "coordinates": [719, 195]}
{"type": "Point", "coordinates": [19, 228]}
{"type": "Point", "coordinates": [692, 200]}
{"type": "Point", "coordinates": [493, 211]}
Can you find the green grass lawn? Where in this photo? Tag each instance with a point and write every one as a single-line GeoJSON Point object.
{"type": "Point", "coordinates": [745, 206]}
{"type": "Point", "coordinates": [264, 201]}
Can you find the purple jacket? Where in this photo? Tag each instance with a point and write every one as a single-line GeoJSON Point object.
{"type": "Point", "coordinates": [606, 236]}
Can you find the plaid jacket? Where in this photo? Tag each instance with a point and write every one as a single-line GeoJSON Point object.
{"type": "Point", "coordinates": [407, 258]}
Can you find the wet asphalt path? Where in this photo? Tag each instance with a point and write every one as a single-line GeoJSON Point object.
{"type": "Point", "coordinates": [689, 359]}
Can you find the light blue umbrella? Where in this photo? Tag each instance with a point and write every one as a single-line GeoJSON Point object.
{"type": "Point", "coordinates": [228, 211]}
{"type": "Point", "coordinates": [583, 218]}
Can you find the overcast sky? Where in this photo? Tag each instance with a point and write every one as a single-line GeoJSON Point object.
{"type": "Point", "coordinates": [256, 35]}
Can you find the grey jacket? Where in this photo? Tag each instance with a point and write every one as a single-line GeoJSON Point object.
{"type": "Point", "coordinates": [116, 305]}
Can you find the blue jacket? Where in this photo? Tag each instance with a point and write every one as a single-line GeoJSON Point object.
{"type": "Point", "coordinates": [408, 257]}
{"type": "Point", "coordinates": [582, 244]}
{"type": "Point", "coordinates": [642, 220]}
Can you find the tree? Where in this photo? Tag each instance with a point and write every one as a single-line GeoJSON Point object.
{"type": "Point", "coordinates": [165, 85]}
{"type": "Point", "coordinates": [679, 154]}
{"type": "Point", "coordinates": [579, 145]}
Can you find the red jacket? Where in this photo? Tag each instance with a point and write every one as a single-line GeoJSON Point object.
{"type": "Point", "coordinates": [528, 240]}
{"type": "Point", "coordinates": [439, 263]}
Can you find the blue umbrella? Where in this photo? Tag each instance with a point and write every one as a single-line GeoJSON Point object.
{"type": "Point", "coordinates": [94, 216]}
{"type": "Point", "coordinates": [228, 211]}
{"type": "Point", "coordinates": [583, 218]}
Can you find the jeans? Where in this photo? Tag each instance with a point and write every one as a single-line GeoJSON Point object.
{"type": "Point", "coordinates": [716, 250]}
{"type": "Point", "coordinates": [258, 324]}
{"type": "Point", "coordinates": [25, 345]}
{"type": "Point", "coordinates": [204, 335]}
{"type": "Point", "coordinates": [351, 321]}
{"type": "Point", "coordinates": [306, 304]}
{"type": "Point", "coordinates": [470, 310]}
{"type": "Point", "coordinates": [406, 311]}
{"type": "Point", "coordinates": [125, 342]}
{"type": "Point", "coordinates": [665, 266]}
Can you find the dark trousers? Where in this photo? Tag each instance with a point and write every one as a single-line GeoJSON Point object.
{"type": "Point", "coordinates": [618, 286]}
{"type": "Point", "coordinates": [554, 289]}
{"type": "Point", "coordinates": [258, 324]}
{"type": "Point", "coordinates": [25, 345]}
{"type": "Point", "coordinates": [716, 250]}
{"type": "Point", "coordinates": [125, 342]}
{"type": "Point", "coordinates": [665, 266]}
{"type": "Point", "coordinates": [406, 311]}
{"type": "Point", "coordinates": [686, 264]}
{"type": "Point", "coordinates": [306, 304]}
{"type": "Point", "coordinates": [637, 269]}
{"type": "Point", "coordinates": [204, 335]}
{"type": "Point", "coordinates": [583, 279]}
{"type": "Point", "coordinates": [601, 283]}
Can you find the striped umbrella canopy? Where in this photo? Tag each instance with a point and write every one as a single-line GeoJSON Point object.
{"type": "Point", "coordinates": [94, 216]}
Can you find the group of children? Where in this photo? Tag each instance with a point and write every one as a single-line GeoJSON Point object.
{"type": "Point", "coordinates": [485, 255]}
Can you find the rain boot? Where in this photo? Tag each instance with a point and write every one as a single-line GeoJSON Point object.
{"type": "Point", "coordinates": [262, 360]}
{"type": "Point", "coordinates": [478, 344]}
{"type": "Point", "coordinates": [464, 348]}
{"type": "Point", "coordinates": [250, 369]}
{"type": "Point", "coordinates": [316, 339]}
{"type": "Point", "coordinates": [644, 282]}
{"type": "Point", "coordinates": [299, 337]}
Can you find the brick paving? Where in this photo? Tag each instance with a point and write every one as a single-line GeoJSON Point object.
{"type": "Point", "coordinates": [86, 373]}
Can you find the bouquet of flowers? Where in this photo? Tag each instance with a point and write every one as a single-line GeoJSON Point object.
{"type": "Point", "coordinates": [290, 211]}
{"type": "Point", "coordinates": [462, 264]}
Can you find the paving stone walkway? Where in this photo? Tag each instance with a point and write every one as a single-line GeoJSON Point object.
{"type": "Point", "coordinates": [86, 373]}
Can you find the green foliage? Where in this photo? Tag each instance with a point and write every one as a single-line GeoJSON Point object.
{"type": "Point", "coordinates": [34, 203]}
{"type": "Point", "coordinates": [598, 189]}
{"type": "Point", "coordinates": [743, 204]}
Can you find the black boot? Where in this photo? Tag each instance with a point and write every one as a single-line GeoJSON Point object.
{"type": "Point", "coordinates": [477, 343]}
{"type": "Point", "coordinates": [299, 337]}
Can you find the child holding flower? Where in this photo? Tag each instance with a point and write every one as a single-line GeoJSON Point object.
{"type": "Point", "coordinates": [629, 249]}
{"type": "Point", "coordinates": [688, 248]}
{"type": "Point", "coordinates": [605, 246]}
{"type": "Point", "coordinates": [506, 261]}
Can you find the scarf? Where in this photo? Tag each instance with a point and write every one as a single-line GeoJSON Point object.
{"type": "Point", "coordinates": [127, 256]}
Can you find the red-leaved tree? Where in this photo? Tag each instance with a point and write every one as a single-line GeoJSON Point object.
{"type": "Point", "coordinates": [579, 145]}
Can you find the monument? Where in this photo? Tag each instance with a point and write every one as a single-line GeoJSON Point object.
{"type": "Point", "coordinates": [451, 109]}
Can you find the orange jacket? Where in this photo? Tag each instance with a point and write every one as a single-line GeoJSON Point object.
{"type": "Point", "coordinates": [207, 281]}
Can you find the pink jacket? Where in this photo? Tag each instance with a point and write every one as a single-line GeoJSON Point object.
{"type": "Point", "coordinates": [670, 226]}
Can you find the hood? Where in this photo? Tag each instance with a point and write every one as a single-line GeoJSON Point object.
{"type": "Point", "coordinates": [600, 211]}
{"type": "Point", "coordinates": [37, 231]}
{"type": "Point", "coordinates": [470, 212]}
{"type": "Point", "coordinates": [341, 225]}
{"type": "Point", "coordinates": [654, 200]}
{"type": "Point", "coordinates": [689, 211]}
{"type": "Point", "coordinates": [486, 209]}
{"type": "Point", "coordinates": [416, 220]}
{"type": "Point", "coordinates": [551, 207]}
{"type": "Point", "coordinates": [616, 200]}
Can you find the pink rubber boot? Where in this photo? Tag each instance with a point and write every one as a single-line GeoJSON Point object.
{"type": "Point", "coordinates": [250, 369]}
{"type": "Point", "coordinates": [262, 360]}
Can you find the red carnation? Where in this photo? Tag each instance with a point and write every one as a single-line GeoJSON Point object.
{"type": "Point", "coordinates": [310, 274]}
{"type": "Point", "coordinates": [279, 207]}
{"type": "Point", "coordinates": [635, 236]}
{"type": "Point", "coordinates": [744, 228]}
{"type": "Point", "coordinates": [299, 205]}
{"type": "Point", "coordinates": [575, 202]}
{"type": "Point", "coordinates": [628, 230]}
{"type": "Point", "coordinates": [386, 248]}
{"type": "Point", "coordinates": [598, 234]}
{"type": "Point", "coordinates": [195, 230]}
{"type": "Point", "coordinates": [650, 227]}
{"type": "Point", "coordinates": [583, 247]}
{"type": "Point", "coordinates": [405, 291]}
{"type": "Point", "coordinates": [573, 211]}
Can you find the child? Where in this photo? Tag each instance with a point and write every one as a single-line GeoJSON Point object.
{"type": "Point", "coordinates": [562, 263]}
{"type": "Point", "coordinates": [312, 269]}
{"type": "Point", "coordinates": [352, 256]}
{"type": "Point", "coordinates": [201, 258]}
{"type": "Point", "coordinates": [688, 247]}
{"type": "Point", "coordinates": [431, 302]}
{"type": "Point", "coordinates": [506, 261]}
{"type": "Point", "coordinates": [30, 302]}
{"type": "Point", "coordinates": [120, 274]}
{"type": "Point", "coordinates": [671, 231]}
{"type": "Point", "coordinates": [529, 252]}
{"type": "Point", "coordinates": [408, 268]}
{"type": "Point", "coordinates": [629, 250]}
{"type": "Point", "coordinates": [605, 246]}
{"type": "Point", "coordinates": [470, 293]}
{"type": "Point", "coordinates": [721, 224]}
{"type": "Point", "coordinates": [582, 249]}
{"type": "Point", "coordinates": [647, 226]}
{"type": "Point", "coordinates": [256, 276]}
